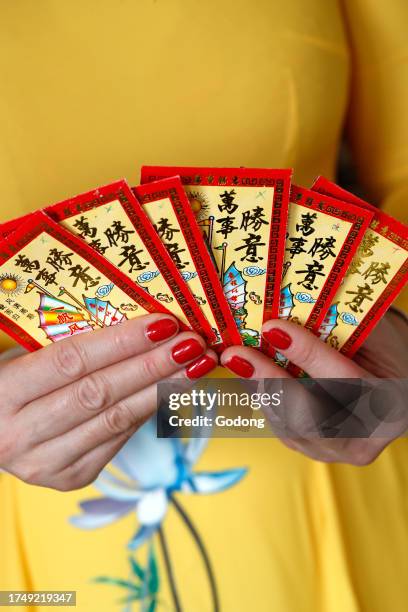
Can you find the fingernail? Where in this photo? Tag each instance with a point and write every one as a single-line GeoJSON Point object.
{"type": "Point", "coordinates": [201, 367]}
{"type": "Point", "coordinates": [161, 330]}
{"type": "Point", "coordinates": [277, 338]}
{"type": "Point", "coordinates": [240, 366]}
{"type": "Point", "coordinates": [187, 350]}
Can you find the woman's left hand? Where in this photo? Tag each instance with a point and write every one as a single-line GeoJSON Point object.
{"type": "Point", "coordinates": [384, 355]}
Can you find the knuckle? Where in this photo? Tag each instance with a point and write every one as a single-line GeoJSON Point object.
{"type": "Point", "coordinates": [120, 340]}
{"type": "Point", "coordinates": [306, 354]}
{"type": "Point", "coordinates": [69, 360]}
{"type": "Point", "coordinates": [118, 418]}
{"type": "Point", "coordinates": [93, 393]}
{"type": "Point", "coordinates": [151, 368]}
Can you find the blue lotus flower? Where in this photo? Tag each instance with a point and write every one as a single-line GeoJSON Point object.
{"type": "Point", "coordinates": [154, 469]}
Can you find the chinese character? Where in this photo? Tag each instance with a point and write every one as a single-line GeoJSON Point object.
{"type": "Point", "coordinates": [131, 255]}
{"type": "Point", "coordinates": [306, 226]}
{"type": "Point", "coordinates": [313, 270]}
{"type": "Point", "coordinates": [73, 328]}
{"type": "Point", "coordinates": [367, 243]}
{"type": "Point", "coordinates": [296, 247]}
{"type": "Point", "coordinates": [165, 230]}
{"type": "Point", "coordinates": [175, 251]}
{"type": "Point", "coordinates": [84, 229]}
{"type": "Point", "coordinates": [354, 267]}
{"type": "Point", "coordinates": [80, 273]}
{"type": "Point", "coordinates": [228, 198]}
{"type": "Point", "coordinates": [253, 220]}
{"type": "Point", "coordinates": [252, 243]}
{"type": "Point", "coordinates": [59, 259]}
{"type": "Point", "coordinates": [227, 226]}
{"type": "Point", "coordinates": [47, 276]}
{"type": "Point", "coordinates": [377, 272]}
{"type": "Point", "coordinates": [24, 262]}
{"type": "Point", "coordinates": [96, 244]}
{"type": "Point", "coordinates": [323, 249]}
{"type": "Point", "coordinates": [362, 293]}
{"type": "Point", "coordinates": [64, 317]}
{"type": "Point", "coordinates": [117, 232]}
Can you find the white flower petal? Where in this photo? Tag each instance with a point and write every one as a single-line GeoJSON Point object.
{"type": "Point", "coordinates": [152, 507]}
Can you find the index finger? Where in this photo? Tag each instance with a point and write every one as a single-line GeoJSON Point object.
{"type": "Point", "coordinates": [61, 363]}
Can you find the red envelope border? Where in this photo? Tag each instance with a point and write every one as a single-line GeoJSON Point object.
{"type": "Point", "coordinates": [39, 222]}
{"type": "Point", "coordinates": [172, 188]}
{"type": "Point", "coordinates": [393, 230]}
{"type": "Point", "coordinates": [121, 191]}
{"type": "Point", "coordinates": [246, 177]}
{"type": "Point", "coordinates": [8, 227]}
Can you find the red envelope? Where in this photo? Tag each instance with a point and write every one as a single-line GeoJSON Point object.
{"type": "Point", "coordinates": [242, 213]}
{"type": "Point", "coordinates": [111, 220]}
{"type": "Point", "coordinates": [377, 274]}
{"type": "Point", "coordinates": [53, 285]}
{"type": "Point", "coordinates": [166, 204]}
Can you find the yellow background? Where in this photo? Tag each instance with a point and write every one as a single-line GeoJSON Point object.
{"type": "Point", "coordinates": [89, 92]}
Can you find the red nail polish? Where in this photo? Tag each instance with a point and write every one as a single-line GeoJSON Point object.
{"type": "Point", "coordinates": [201, 367]}
{"type": "Point", "coordinates": [240, 366]}
{"type": "Point", "coordinates": [187, 350]}
{"type": "Point", "coordinates": [161, 330]}
{"type": "Point", "coordinates": [277, 338]}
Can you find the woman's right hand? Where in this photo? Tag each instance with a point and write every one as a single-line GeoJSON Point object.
{"type": "Point", "coordinates": [68, 408]}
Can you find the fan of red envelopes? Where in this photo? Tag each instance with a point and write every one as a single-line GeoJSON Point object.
{"type": "Point", "coordinates": [222, 249]}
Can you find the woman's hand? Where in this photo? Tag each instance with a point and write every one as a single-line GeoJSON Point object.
{"type": "Point", "coordinates": [384, 355]}
{"type": "Point", "coordinates": [67, 409]}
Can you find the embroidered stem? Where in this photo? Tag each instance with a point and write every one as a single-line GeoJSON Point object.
{"type": "Point", "coordinates": [204, 555]}
{"type": "Point", "coordinates": [169, 569]}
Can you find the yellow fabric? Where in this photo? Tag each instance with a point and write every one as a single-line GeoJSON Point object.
{"type": "Point", "coordinates": [89, 92]}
